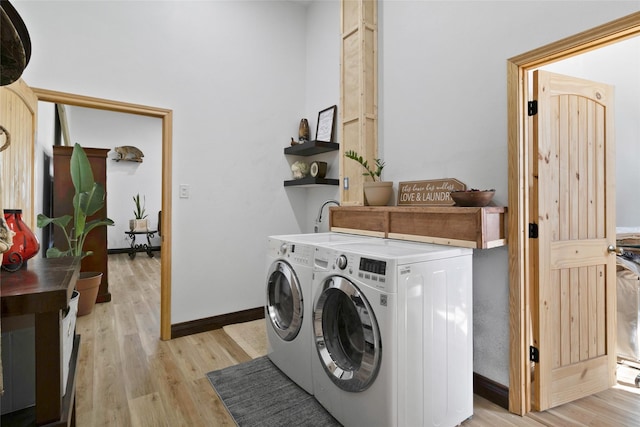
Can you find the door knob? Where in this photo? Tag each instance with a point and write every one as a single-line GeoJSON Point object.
{"type": "Point", "coordinates": [613, 249]}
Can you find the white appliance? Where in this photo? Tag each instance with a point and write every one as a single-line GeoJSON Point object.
{"type": "Point", "coordinates": [288, 307]}
{"type": "Point", "coordinates": [393, 333]}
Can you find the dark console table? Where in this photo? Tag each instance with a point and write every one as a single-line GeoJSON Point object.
{"type": "Point", "coordinates": [135, 247]}
{"type": "Point", "coordinates": [44, 289]}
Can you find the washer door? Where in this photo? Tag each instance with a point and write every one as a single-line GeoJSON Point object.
{"type": "Point", "coordinates": [284, 300]}
{"type": "Point", "coordinates": [346, 335]}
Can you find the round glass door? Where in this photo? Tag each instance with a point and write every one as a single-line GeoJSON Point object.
{"type": "Point", "coordinates": [284, 300]}
{"type": "Point", "coordinates": [346, 335]}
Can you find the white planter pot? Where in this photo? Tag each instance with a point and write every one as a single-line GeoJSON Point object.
{"type": "Point", "coordinates": [138, 225]}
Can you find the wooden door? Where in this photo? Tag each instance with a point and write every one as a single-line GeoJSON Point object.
{"type": "Point", "coordinates": [573, 273]}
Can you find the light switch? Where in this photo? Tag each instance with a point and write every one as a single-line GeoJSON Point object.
{"type": "Point", "coordinates": [184, 191]}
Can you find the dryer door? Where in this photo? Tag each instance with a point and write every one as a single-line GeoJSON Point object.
{"type": "Point", "coordinates": [346, 335]}
{"type": "Point", "coordinates": [284, 300]}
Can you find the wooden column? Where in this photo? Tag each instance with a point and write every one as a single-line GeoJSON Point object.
{"type": "Point", "coordinates": [358, 93]}
{"type": "Point", "coordinates": [63, 192]}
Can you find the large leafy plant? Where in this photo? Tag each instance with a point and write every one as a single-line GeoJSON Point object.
{"type": "Point", "coordinates": [88, 200]}
{"type": "Point", "coordinates": [370, 171]}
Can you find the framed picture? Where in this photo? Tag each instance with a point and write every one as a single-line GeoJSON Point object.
{"type": "Point", "coordinates": [326, 120]}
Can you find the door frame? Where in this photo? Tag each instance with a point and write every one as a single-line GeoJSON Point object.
{"type": "Point", "coordinates": [519, 158]}
{"type": "Point", "coordinates": [167, 135]}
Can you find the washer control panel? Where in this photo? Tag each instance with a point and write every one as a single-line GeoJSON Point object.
{"type": "Point", "coordinates": [369, 270]}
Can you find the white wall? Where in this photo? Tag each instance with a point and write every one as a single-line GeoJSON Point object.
{"type": "Point", "coordinates": [240, 75]}
{"type": "Point", "coordinates": [322, 91]}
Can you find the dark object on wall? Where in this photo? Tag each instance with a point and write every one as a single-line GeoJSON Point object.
{"type": "Point", "coordinates": [15, 44]}
{"type": "Point", "coordinates": [63, 192]}
{"type": "Point", "coordinates": [25, 243]}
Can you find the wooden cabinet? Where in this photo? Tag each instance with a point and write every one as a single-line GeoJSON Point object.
{"type": "Point", "coordinates": [63, 192]}
{"type": "Point", "coordinates": [44, 290]}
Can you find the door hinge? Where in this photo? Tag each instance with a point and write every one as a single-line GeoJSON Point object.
{"type": "Point", "coordinates": [532, 108]}
{"type": "Point", "coordinates": [534, 354]}
{"type": "Point", "coordinates": [533, 230]}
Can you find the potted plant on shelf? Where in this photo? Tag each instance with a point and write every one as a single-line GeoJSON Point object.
{"type": "Point", "coordinates": [140, 221]}
{"type": "Point", "coordinates": [376, 192]}
{"type": "Point", "coordinates": [87, 200]}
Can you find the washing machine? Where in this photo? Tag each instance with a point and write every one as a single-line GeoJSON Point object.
{"type": "Point", "coordinates": [392, 333]}
{"type": "Point", "coordinates": [288, 304]}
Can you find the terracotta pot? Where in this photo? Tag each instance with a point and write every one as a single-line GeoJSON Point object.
{"type": "Point", "coordinates": [378, 193]}
{"type": "Point", "coordinates": [88, 285]}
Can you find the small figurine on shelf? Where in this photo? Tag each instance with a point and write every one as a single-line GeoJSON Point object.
{"type": "Point", "coordinates": [303, 131]}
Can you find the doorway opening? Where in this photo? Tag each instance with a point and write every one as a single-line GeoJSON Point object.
{"type": "Point", "coordinates": [166, 117]}
{"type": "Point", "coordinates": [520, 158]}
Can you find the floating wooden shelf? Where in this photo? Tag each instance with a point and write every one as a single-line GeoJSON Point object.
{"type": "Point", "coordinates": [310, 181]}
{"type": "Point", "coordinates": [311, 148]}
{"type": "Point", "coordinates": [478, 228]}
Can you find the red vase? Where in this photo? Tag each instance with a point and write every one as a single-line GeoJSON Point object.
{"type": "Point", "coordinates": [25, 243]}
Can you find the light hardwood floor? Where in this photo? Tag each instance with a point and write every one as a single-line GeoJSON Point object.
{"type": "Point", "coordinates": [128, 377]}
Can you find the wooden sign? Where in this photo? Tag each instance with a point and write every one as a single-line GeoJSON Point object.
{"type": "Point", "coordinates": [428, 193]}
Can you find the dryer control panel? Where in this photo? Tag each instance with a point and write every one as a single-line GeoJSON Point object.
{"type": "Point", "coordinates": [373, 266]}
{"type": "Point", "coordinates": [298, 254]}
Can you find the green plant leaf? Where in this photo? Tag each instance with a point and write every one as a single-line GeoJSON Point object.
{"type": "Point", "coordinates": [80, 168]}
{"type": "Point", "coordinates": [62, 221]}
{"type": "Point", "coordinates": [139, 212]}
{"type": "Point", "coordinates": [57, 253]}
{"type": "Point", "coordinates": [97, 223]}
{"type": "Point", "coordinates": [365, 164]}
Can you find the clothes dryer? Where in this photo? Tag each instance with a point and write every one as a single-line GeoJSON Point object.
{"type": "Point", "coordinates": [393, 333]}
{"type": "Point", "coordinates": [288, 307]}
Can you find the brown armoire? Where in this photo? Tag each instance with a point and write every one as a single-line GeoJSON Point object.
{"type": "Point", "coordinates": [63, 193]}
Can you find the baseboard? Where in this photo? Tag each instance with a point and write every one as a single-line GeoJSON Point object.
{"type": "Point", "coordinates": [491, 390]}
{"type": "Point", "coordinates": [215, 322]}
